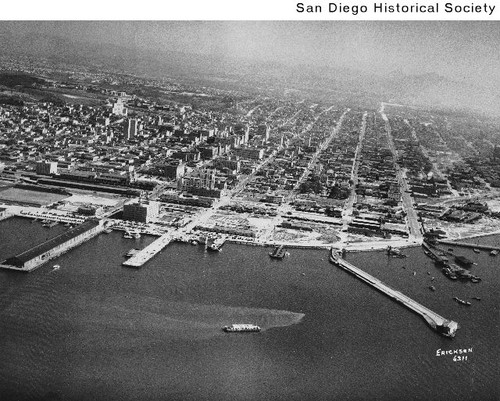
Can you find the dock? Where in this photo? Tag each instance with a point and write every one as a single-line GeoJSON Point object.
{"type": "Point", "coordinates": [469, 245]}
{"type": "Point", "coordinates": [149, 252]}
{"type": "Point", "coordinates": [443, 326]}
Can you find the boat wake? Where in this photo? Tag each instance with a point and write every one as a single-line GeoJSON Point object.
{"type": "Point", "coordinates": [148, 316]}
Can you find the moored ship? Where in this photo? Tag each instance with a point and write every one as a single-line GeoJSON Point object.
{"type": "Point", "coordinates": [241, 328]}
{"type": "Point", "coordinates": [279, 252]}
{"type": "Point", "coordinates": [212, 245]}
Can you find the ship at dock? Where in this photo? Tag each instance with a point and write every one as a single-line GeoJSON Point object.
{"type": "Point", "coordinates": [213, 245]}
{"type": "Point", "coordinates": [241, 328]}
{"type": "Point", "coordinates": [279, 252]}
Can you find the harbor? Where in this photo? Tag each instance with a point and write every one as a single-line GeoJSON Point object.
{"type": "Point", "coordinates": [184, 297]}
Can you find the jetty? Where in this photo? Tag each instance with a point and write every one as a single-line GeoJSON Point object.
{"type": "Point", "coordinates": [149, 252]}
{"type": "Point", "coordinates": [443, 326]}
{"type": "Point", "coordinates": [469, 245]}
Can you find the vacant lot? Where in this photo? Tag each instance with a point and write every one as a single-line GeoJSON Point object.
{"type": "Point", "coordinates": [24, 196]}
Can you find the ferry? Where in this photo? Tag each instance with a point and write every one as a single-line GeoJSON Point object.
{"type": "Point", "coordinates": [241, 328]}
{"type": "Point", "coordinates": [278, 252]}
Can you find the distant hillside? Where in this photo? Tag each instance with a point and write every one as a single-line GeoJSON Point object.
{"type": "Point", "coordinates": [425, 89]}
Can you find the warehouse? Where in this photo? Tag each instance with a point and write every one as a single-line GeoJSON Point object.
{"type": "Point", "coordinates": [40, 254]}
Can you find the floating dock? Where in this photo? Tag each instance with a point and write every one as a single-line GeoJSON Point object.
{"type": "Point", "coordinates": [443, 326]}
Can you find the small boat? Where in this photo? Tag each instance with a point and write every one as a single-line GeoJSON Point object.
{"type": "Point", "coordinates": [127, 235]}
{"type": "Point", "coordinates": [494, 252]}
{"type": "Point", "coordinates": [278, 252]}
{"type": "Point", "coordinates": [132, 252]}
{"type": "Point", "coordinates": [241, 328]}
{"type": "Point", "coordinates": [108, 230]}
{"type": "Point", "coordinates": [476, 298]}
{"type": "Point", "coordinates": [56, 267]}
{"type": "Point", "coordinates": [414, 273]}
{"type": "Point", "coordinates": [431, 287]}
{"type": "Point", "coordinates": [476, 250]}
{"type": "Point", "coordinates": [461, 301]}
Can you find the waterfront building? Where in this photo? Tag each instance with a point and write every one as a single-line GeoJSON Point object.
{"type": "Point", "coordinates": [39, 254]}
{"type": "Point", "coordinates": [142, 211]}
{"type": "Point", "coordinates": [46, 168]}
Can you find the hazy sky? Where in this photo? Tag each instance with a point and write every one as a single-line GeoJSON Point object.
{"type": "Point", "coordinates": [457, 49]}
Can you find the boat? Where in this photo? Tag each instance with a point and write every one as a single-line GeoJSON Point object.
{"type": "Point", "coordinates": [212, 245]}
{"type": "Point", "coordinates": [56, 267]}
{"type": "Point", "coordinates": [279, 252]}
{"type": "Point", "coordinates": [494, 252]}
{"type": "Point", "coordinates": [431, 287]}
{"type": "Point", "coordinates": [127, 234]}
{"type": "Point", "coordinates": [476, 298]}
{"type": "Point", "coordinates": [132, 252]}
{"type": "Point", "coordinates": [461, 301]}
{"type": "Point", "coordinates": [476, 250]}
{"type": "Point", "coordinates": [241, 328]}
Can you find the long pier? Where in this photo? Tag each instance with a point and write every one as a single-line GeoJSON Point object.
{"type": "Point", "coordinates": [469, 245]}
{"type": "Point", "coordinates": [149, 252]}
{"type": "Point", "coordinates": [443, 326]}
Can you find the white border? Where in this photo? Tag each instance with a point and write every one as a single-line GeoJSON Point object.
{"type": "Point", "coordinates": [227, 10]}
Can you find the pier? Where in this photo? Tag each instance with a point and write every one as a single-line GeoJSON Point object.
{"type": "Point", "coordinates": [443, 326]}
{"type": "Point", "coordinates": [469, 245]}
{"type": "Point", "coordinates": [149, 252]}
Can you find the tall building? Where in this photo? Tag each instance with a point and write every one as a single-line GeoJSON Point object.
{"type": "Point", "coordinates": [130, 128]}
{"type": "Point", "coordinates": [119, 108]}
{"type": "Point", "coordinates": [46, 168]}
{"type": "Point", "coordinates": [143, 212]}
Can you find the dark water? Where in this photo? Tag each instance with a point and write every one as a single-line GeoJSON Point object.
{"type": "Point", "coordinates": [94, 330]}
